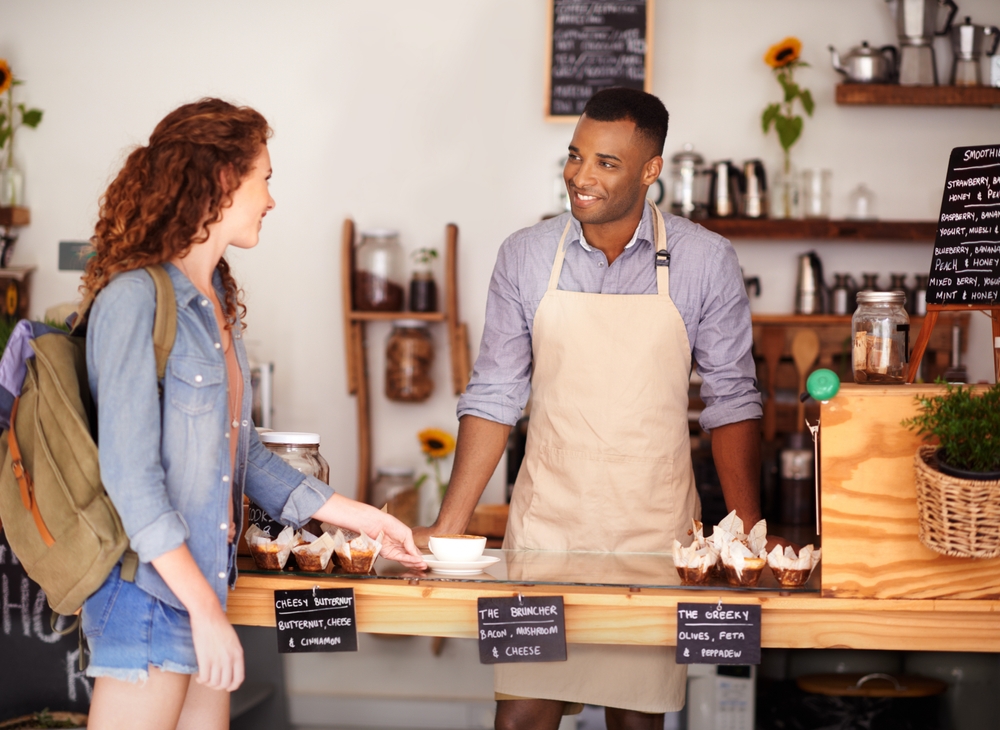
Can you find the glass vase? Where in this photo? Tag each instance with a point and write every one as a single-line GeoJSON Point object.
{"type": "Point", "coordinates": [786, 193]}
{"type": "Point", "coordinates": [11, 186]}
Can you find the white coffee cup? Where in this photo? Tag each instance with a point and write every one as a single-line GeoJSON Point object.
{"type": "Point", "coordinates": [457, 548]}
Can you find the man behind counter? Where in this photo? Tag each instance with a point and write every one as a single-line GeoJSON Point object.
{"type": "Point", "coordinates": [598, 315]}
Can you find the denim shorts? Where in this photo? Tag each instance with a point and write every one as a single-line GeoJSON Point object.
{"type": "Point", "coordinates": [129, 631]}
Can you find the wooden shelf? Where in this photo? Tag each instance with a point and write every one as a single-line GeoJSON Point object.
{"type": "Point", "coordinates": [356, 316]}
{"type": "Point", "coordinates": [896, 95]}
{"type": "Point", "coordinates": [355, 347]}
{"type": "Point", "coordinates": [823, 229]}
{"type": "Point", "coordinates": [14, 215]}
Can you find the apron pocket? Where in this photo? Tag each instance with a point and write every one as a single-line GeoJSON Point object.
{"type": "Point", "coordinates": [601, 502]}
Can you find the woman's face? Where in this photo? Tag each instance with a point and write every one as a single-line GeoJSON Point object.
{"type": "Point", "coordinates": [251, 201]}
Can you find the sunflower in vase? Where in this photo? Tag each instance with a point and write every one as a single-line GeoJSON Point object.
{"type": "Point", "coordinates": [12, 117]}
{"type": "Point", "coordinates": [784, 58]}
{"type": "Point", "coordinates": [436, 446]}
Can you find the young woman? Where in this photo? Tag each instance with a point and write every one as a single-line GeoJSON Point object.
{"type": "Point", "coordinates": [177, 459]}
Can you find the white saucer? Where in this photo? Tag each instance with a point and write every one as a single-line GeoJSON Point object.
{"type": "Point", "coordinates": [470, 567]}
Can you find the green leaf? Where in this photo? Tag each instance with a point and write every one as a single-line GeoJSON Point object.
{"type": "Point", "coordinates": [769, 115]}
{"type": "Point", "coordinates": [791, 88]}
{"type": "Point", "coordinates": [807, 101]}
{"type": "Point", "coordinates": [31, 118]}
{"type": "Point", "coordinates": [789, 129]}
{"type": "Point", "coordinates": [4, 136]}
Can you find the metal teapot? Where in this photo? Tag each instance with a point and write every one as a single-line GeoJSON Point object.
{"type": "Point", "coordinates": [866, 65]}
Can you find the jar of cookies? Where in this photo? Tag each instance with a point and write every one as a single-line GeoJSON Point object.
{"type": "Point", "coordinates": [408, 359]}
{"type": "Point", "coordinates": [881, 337]}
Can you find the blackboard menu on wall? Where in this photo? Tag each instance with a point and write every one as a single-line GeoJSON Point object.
{"type": "Point", "coordinates": [38, 667]}
{"type": "Point", "coordinates": [965, 268]}
{"type": "Point", "coordinates": [592, 46]}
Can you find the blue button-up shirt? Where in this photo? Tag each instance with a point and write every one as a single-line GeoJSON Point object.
{"type": "Point", "coordinates": [706, 286]}
{"type": "Point", "coordinates": [166, 464]}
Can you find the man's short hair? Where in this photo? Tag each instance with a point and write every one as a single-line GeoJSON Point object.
{"type": "Point", "coordinates": [644, 110]}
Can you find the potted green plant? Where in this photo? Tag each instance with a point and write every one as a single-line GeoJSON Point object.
{"type": "Point", "coordinates": [958, 478]}
{"type": "Point", "coordinates": [966, 427]}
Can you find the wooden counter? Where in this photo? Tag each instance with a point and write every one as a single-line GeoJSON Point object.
{"type": "Point", "coordinates": [880, 588]}
{"type": "Point", "coordinates": [600, 615]}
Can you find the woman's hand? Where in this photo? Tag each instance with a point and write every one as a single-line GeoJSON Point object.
{"type": "Point", "coordinates": [397, 540]}
{"type": "Point", "coordinates": [220, 656]}
{"type": "Point", "coordinates": [216, 646]}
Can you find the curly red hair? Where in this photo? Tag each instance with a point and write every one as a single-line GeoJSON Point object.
{"type": "Point", "coordinates": [169, 192]}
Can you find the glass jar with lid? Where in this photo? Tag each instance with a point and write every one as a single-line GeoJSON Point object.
{"type": "Point", "coordinates": [408, 359]}
{"type": "Point", "coordinates": [301, 452]}
{"type": "Point", "coordinates": [881, 337]}
{"type": "Point", "coordinates": [378, 272]}
{"type": "Point", "coordinates": [686, 175]}
{"type": "Point", "coordinates": [394, 488]}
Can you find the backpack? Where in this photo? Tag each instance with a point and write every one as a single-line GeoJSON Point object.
{"type": "Point", "coordinates": [59, 520]}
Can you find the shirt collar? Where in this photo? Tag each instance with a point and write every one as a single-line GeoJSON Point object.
{"type": "Point", "coordinates": [643, 232]}
{"type": "Point", "coordinates": [186, 292]}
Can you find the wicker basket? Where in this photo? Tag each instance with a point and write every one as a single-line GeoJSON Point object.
{"type": "Point", "coordinates": [957, 517]}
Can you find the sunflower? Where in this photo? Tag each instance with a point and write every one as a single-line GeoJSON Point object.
{"type": "Point", "coordinates": [783, 53]}
{"type": "Point", "coordinates": [436, 443]}
{"type": "Point", "coordinates": [5, 76]}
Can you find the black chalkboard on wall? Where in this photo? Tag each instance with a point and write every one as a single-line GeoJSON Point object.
{"type": "Point", "coordinates": [965, 269]}
{"type": "Point", "coordinates": [593, 46]}
{"type": "Point", "coordinates": [965, 265]}
{"type": "Point", "coordinates": [38, 668]}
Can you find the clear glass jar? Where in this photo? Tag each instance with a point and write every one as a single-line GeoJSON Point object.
{"type": "Point", "coordinates": [409, 356]}
{"type": "Point", "coordinates": [881, 337]}
{"type": "Point", "coordinates": [378, 272]}
{"type": "Point", "coordinates": [686, 174]}
{"type": "Point", "coordinates": [394, 488]}
{"type": "Point", "coordinates": [301, 452]}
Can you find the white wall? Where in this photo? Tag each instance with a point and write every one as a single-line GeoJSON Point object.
{"type": "Point", "coordinates": [414, 114]}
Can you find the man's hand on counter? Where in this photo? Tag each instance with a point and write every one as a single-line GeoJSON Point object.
{"type": "Point", "coordinates": [397, 539]}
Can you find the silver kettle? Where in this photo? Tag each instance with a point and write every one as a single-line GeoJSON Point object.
{"type": "Point", "coordinates": [866, 65]}
{"type": "Point", "coordinates": [753, 186]}
{"type": "Point", "coordinates": [724, 190]}
{"type": "Point", "coordinates": [811, 295]}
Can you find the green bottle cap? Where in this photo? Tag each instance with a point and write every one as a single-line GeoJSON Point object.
{"type": "Point", "coordinates": [823, 384]}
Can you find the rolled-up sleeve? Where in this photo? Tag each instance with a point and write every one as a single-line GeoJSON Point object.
{"type": "Point", "coordinates": [501, 379]}
{"type": "Point", "coordinates": [280, 490]}
{"type": "Point", "coordinates": [724, 347]}
{"type": "Point", "coordinates": [128, 406]}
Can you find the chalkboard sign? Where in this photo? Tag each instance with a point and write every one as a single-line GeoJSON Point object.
{"type": "Point", "coordinates": [321, 619]}
{"type": "Point", "coordinates": [965, 268]}
{"type": "Point", "coordinates": [522, 629]}
{"type": "Point", "coordinates": [593, 46]}
{"type": "Point", "coordinates": [38, 667]}
{"type": "Point", "coordinates": [718, 634]}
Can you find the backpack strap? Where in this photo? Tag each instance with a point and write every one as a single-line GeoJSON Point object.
{"type": "Point", "coordinates": [165, 323]}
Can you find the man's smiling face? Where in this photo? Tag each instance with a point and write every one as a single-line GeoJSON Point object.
{"type": "Point", "coordinates": [606, 170]}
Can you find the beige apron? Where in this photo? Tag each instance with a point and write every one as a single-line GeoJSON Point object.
{"type": "Point", "coordinates": [607, 468]}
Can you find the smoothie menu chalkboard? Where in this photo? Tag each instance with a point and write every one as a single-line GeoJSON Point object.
{"type": "Point", "coordinates": [593, 46]}
{"type": "Point", "coordinates": [965, 269]}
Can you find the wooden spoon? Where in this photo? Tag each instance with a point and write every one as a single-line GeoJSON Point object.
{"type": "Point", "coordinates": [805, 350]}
{"type": "Point", "coordinates": [771, 346]}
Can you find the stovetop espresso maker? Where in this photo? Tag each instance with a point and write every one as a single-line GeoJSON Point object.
{"type": "Point", "coordinates": [916, 25]}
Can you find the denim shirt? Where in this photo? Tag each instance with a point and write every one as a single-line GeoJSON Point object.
{"type": "Point", "coordinates": [166, 465]}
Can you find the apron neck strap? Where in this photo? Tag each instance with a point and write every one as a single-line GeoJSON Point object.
{"type": "Point", "coordinates": [662, 271]}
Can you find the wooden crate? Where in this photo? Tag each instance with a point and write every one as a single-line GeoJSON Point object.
{"type": "Point", "coordinates": [869, 508]}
